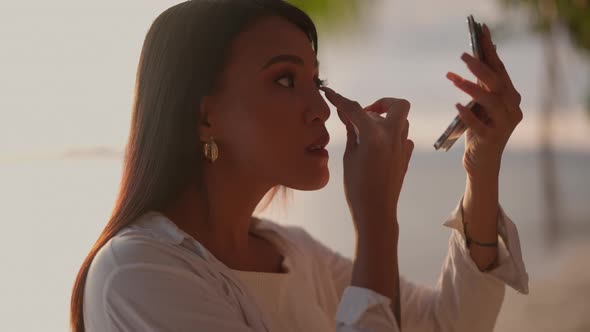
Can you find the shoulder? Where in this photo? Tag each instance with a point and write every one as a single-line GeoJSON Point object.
{"type": "Point", "coordinates": [132, 253]}
{"type": "Point", "coordinates": [151, 239]}
{"type": "Point", "coordinates": [134, 261]}
{"type": "Point", "coordinates": [137, 280]}
{"type": "Point", "coordinates": [131, 247]}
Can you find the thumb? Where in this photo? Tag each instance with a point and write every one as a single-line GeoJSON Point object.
{"type": "Point", "coordinates": [351, 133]}
{"type": "Point", "coordinates": [351, 110]}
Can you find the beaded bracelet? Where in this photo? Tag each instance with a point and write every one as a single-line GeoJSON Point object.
{"type": "Point", "coordinates": [469, 241]}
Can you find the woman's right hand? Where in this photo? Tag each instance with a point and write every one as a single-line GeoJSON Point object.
{"type": "Point", "coordinates": [374, 169]}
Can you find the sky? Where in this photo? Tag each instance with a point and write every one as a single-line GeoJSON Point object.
{"type": "Point", "coordinates": [68, 70]}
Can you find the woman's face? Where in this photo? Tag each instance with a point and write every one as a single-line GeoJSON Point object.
{"type": "Point", "coordinates": [268, 108]}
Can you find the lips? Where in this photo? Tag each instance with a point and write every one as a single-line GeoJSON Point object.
{"type": "Point", "coordinates": [319, 143]}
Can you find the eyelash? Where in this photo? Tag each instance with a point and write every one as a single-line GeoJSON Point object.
{"type": "Point", "coordinates": [319, 82]}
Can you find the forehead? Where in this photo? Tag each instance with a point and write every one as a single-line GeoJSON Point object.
{"type": "Point", "coordinates": [267, 38]}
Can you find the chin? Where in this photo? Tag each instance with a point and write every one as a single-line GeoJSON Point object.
{"type": "Point", "coordinates": [313, 182]}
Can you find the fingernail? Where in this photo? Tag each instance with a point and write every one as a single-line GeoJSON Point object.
{"type": "Point", "coordinates": [466, 57]}
{"type": "Point", "coordinates": [453, 77]}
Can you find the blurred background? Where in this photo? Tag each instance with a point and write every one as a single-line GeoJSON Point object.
{"type": "Point", "coordinates": [67, 71]}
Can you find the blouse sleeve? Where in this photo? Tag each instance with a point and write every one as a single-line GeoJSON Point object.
{"type": "Point", "coordinates": [464, 298]}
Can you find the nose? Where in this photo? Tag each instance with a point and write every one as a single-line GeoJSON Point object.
{"type": "Point", "coordinates": [318, 109]}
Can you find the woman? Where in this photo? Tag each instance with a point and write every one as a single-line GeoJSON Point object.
{"type": "Point", "coordinates": [227, 109]}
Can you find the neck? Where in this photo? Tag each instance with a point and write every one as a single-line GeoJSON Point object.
{"type": "Point", "coordinates": [231, 204]}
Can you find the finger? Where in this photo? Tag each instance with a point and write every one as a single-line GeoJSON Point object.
{"type": "Point", "coordinates": [352, 138]}
{"type": "Point", "coordinates": [343, 118]}
{"type": "Point", "coordinates": [484, 73]}
{"type": "Point", "coordinates": [340, 101]}
{"type": "Point", "coordinates": [380, 106]}
{"type": "Point", "coordinates": [408, 156]}
{"type": "Point", "coordinates": [405, 130]}
{"type": "Point", "coordinates": [352, 110]}
{"type": "Point", "coordinates": [374, 116]}
{"type": "Point", "coordinates": [515, 115]}
{"type": "Point", "coordinates": [351, 129]}
{"type": "Point", "coordinates": [491, 54]}
{"type": "Point", "coordinates": [513, 97]}
{"type": "Point", "coordinates": [398, 110]}
{"type": "Point", "coordinates": [472, 121]}
{"type": "Point", "coordinates": [491, 102]}
{"type": "Point", "coordinates": [493, 59]}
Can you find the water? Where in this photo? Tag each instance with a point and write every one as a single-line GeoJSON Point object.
{"type": "Point", "coordinates": [53, 210]}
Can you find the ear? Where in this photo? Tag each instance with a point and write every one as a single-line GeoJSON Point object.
{"type": "Point", "coordinates": [206, 112]}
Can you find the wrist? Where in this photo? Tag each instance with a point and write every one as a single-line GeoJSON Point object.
{"type": "Point", "coordinates": [482, 183]}
{"type": "Point", "coordinates": [482, 192]}
{"type": "Point", "coordinates": [372, 221]}
{"type": "Point", "coordinates": [484, 169]}
{"type": "Point", "coordinates": [479, 210]}
{"type": "Point", "coordinates": [483, 177]}
{"type": "Point", "coordinates": [378, 235]}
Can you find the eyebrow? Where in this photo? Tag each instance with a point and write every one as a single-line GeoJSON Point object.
{"type": "Point", "coordinates": [287, 58]}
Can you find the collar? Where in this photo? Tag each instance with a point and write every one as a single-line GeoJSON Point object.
{"type": "Point", "coordinates": [163, 229]}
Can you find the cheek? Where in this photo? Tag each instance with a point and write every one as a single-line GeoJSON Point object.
{"type": "Point", "coordinates": [283, 134]}
{"type": "Point", "coordinates": [281, 138]}
{"type": "Point", "coordinates": [270, 124]}
{"type": "Point", "coordinates": [265, 131]}
{"type": "Point", "coordinates": [280, 118]}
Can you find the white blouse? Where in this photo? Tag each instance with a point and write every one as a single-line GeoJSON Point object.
{"type": "Point", "coordinates": [152, 276]}
{"type": "Point", "coordinates": [285, 297]}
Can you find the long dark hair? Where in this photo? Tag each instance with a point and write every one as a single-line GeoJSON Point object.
{"type": "Point", "coordinates": [183, 55]}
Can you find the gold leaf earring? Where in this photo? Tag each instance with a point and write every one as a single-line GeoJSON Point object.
{"type": "Point", "coordinates": [210, 150]}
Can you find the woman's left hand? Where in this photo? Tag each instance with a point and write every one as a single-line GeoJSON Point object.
{"type": "Point", "coordinates": [486, 137]}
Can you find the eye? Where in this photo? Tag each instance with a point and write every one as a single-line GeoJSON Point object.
{"type": "Point", "coordinates": [289, 79]}
{"type": "Point", "coordinates": [320, 83]}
